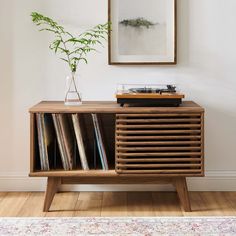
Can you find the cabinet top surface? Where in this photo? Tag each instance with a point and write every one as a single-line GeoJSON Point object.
{"type": "Point", "coordinates": [109, 107]}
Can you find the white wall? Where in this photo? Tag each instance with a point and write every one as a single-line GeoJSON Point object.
{"type": "Point", "coordinates": [206, 72]}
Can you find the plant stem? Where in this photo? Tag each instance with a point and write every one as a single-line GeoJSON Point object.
{"type": "Point", "coordinates": [80, 55]}
{"type": "Point", "coordinates": [68, 56]}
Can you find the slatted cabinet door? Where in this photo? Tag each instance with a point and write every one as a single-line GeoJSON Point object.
{"type": "Point", "coordinates": [163, 144]}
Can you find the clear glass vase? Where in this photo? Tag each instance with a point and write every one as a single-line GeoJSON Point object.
{"type": "Point", "coordinates": [72, 94]}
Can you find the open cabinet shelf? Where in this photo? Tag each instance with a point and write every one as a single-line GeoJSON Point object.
{"type": "Point", "coordinates": [107, 126]}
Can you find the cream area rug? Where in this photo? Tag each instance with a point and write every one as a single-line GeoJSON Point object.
{"type": "Point", "coordinates": [135, 226]}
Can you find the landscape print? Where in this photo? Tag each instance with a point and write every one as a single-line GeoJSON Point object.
{"type": "Point", "coordinates": [142, 27]}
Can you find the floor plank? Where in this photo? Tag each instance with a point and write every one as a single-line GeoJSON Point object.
{"type": "Point", "coordinates": [140, 204]}
{"type": "Point", "coordinates": [63, 204]}
{"type": "Point", "coordinates": [89, 204]}
{"type": "Point", "coordinates": [198, 205]}
{"type": "Point", "coordinates": [217, 204]}
{"type": "Point", "coordinates": [12, 203]}
{"type": "Point", "coordinates": [166, 204]}
{"type": "Point", "coordinates": [2, 195]}
{"type": "Point", "coordinates": [114, 204]}
{"type": "Point", "coordinates": [117, 204]}
{"type": "Point", "coordinates": [231, 198]}
{"type": "Point", "coordinates": [33, 206]}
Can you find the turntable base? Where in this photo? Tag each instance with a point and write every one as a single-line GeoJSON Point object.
{"type": "Point", "coordinates": [139, 99]}
{"type": "Point", "coordinates": [161, 102]}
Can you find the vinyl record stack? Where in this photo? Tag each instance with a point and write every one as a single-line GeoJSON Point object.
{"type": "Point", "coordinates": [62, 143]}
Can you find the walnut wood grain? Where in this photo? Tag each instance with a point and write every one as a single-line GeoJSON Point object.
{"type": "Point", "coordinates": [157, 143]}
{"type": "Point", "coordinates": [112, 107]}
{"type": "Point", "coordinates": [149, 145]}
{"type": "Point", "coordinates": [94, 177]}
{"type": "Point", "coordinates": [121, 180]}
{"type": "Point", "coordinates": [148, 120]}
{"type": "Point", "coordinates": [32, 142]}
{"type": "Point", "coordinates": [155, 160]}
{"type": "Point", "coordinates": [52, 187]}
{"type": "Point", "coordinates": [159, 137]}
{"type": "Point", "coordinates": [119, 132]}
{"type": "Point", "coordinates": [158, 154]}
{"type": "Point", "coordinates": [150, 95]}
{"type": "Point", "coordinates": [130, 149]}
{"type": "Point", "coordinates": [151, 166]}
{"type": "Point", "coordinates": [154, 126]}
{"type": "Point", "coordinates": [159, 171]}
{"type": "Point", "coordinates": [181, 188]}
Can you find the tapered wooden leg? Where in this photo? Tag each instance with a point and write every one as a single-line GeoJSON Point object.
{"type": "Point", "coordinates": [52, 187]}
{"type": "Point", "coordinates": [182, 190]}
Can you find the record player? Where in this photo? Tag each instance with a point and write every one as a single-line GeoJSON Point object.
{"type": "Point", "coordinates": [149, 95]}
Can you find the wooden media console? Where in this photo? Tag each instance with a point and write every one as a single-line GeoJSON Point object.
{"type": "Point", "coordinates": [144, 145]}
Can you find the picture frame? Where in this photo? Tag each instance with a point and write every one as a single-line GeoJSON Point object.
{"type": "Point", "coordinates": [143, 32]}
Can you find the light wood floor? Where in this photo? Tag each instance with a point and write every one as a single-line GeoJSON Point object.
{"type": "Point", "coordinates": [117, 204]}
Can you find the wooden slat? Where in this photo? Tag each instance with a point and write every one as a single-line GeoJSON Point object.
{"type": "Point", "coordinates": [176, 120]}
{"type": "Point", "coordinates": [160, 115]}
{"type": "Point", "coordinates": [157, 143]}
{"type": "Point", "coordinates": [130, 149]}
{"type": "Point", "coordinates": [153, 160]}
{"type": "Point", "coordinates": [159, 171]}
{"type": "Point", "coordinates": [169, 137]}
{"type": "Point", "coordinates": [152, 166]}
{"type": "Point", "coordinates": [160, 154]}
{"type": "Point", "coordinates": [152, 126]}
{"type": "Point", "coordinates": [158, 131]}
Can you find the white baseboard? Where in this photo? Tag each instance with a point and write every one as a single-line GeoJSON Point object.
{"type": "Point", "coordinates": [213, 181]}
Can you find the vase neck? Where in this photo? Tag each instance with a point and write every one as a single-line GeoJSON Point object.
{"type": "Point", "coordinates": [73, 73]}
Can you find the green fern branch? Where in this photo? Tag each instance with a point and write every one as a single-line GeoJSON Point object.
{"type": "Point", "coordinates": [74, 49]}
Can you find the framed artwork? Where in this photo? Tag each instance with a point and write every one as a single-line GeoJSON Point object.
{"type": "Point", "coordinates": [143, 32]}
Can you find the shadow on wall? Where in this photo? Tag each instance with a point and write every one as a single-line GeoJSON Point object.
{"type": "Point", "coordinates": [220, 136]}
{"type": "Point", "coordinates": [183, 32]}
{"type": "Point", "coordinates": [207, 77]}
{"type": "Point", "coordinates": [6, 76]}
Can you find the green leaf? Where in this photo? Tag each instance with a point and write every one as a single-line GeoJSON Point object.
{"type": "Point", "coordinates": [64, 59]}
{"type": "Point", "coordinates": [57, 43]}
{"type": "Point", "coordinates": [80, 59]}
{"type": "Point", "coordinates": [68, 33]}
{"type": "Point", "coordinates": [64, 50]}
{"type": "Point", "coordinates": [78, 50]}
{"type": "Point", "coordinates": [50, 30]}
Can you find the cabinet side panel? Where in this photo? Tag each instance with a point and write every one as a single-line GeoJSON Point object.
{"type": "Point", "coordinates": [203, 143]}
{"type": "Point", "coordinates": [32, 141]}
